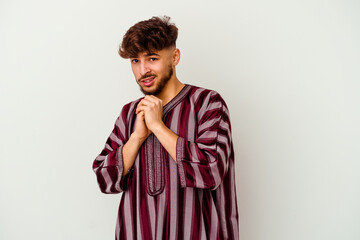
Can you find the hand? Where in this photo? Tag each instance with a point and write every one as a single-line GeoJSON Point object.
{"type": "Point", "coordinates": [141, 130]}
{"type": "Point", "coordinates": [152, 108]}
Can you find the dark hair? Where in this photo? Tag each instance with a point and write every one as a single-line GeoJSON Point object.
{"type": "Point", "coordinates": [146, 36]}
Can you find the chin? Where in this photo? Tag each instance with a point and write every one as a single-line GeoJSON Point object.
{"type": "Point", "coordinates": [151, 91]}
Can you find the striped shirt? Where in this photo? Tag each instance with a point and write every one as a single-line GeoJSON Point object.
{"type": "Point", "coordinates": [194, 198]}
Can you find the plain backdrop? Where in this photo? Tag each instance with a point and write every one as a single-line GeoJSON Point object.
{"type": "Point", "coordinates": [288, 70]}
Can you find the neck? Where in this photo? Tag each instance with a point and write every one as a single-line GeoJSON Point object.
{"type": "Point", "coordinates": [171, 89]}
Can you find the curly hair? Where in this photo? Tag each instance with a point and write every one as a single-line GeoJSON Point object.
{"type": "Point", "coordinates": [150, 35]}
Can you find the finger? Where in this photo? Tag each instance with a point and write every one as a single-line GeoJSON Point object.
{"type": "Point", "coordinates": [145, 102]}
{"type": "Point", "coordinates": [153, 102]}
{"type": "Point", "coordinates": [155, 98]}
{"type": "Point", "coordinates": [142, 103]}
{"type": "Point", "coordinates": [148, 103]}
{"type": "Point", "coordinates": [138, 111]}
{"type": "Point", "coordinates": [141, 108]}
{"type": "Point", "coordinates": [137, 108]}
{"type": "Point", "coordinates": [152, 98]}
{"type": "Point", "coordinates": [141, 115]}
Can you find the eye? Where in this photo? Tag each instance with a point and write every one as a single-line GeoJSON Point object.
{"type": "Point", "coordinates": [134, 60]}
{"type": "Point", "coordinates": [153, 59]}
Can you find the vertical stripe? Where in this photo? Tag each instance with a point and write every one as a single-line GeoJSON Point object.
{"type": "Point", "coordinates": [215, 172]}
{"type": "Point", "coordinates": [161, 206]}
{"type": "Point", "coordinates": [138, 199]}
{"type": "Point", "coordinates": [233, 200]}
{"type": "Point", "coordinates": [188, 205]}
{"type": "Point", "coordinates": [191, 121]}
{"type": "Point", "coordinates": [199, 212]}
{"type": "Point", "coordinates": [222, 210]}
{"type": "Point", "coordinates": [199, 181]}
{"type": "Point", "coordinates": [128, 222]}
{"type": "Point", "coordinates": [174, 181]}
{"type": "Point", "coordinates": [214, 226]}
{"type": "Point", "coordinates": [174, 200]}
{"type": "Point", "coordinates": [151, 207]}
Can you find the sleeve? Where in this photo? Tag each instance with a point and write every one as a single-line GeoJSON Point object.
{"type": "Point", "coordinates": [108, 165]}
{"type": "Point", "coordinates": [203, 163]}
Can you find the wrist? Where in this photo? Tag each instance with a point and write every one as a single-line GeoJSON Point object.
{"type": "Point", "coordinates": [135, 138]}
{"type": "Point", "coordinates": [158, 127]}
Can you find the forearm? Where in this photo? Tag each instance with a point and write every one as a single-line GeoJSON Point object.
{"type": "Point", "coordinates": [167, 139]}
{"type": "Point", "coordinates": [129, 151]}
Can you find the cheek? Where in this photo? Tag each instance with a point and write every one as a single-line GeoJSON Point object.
{"type": "Point", "coordinates": [160, 69]}
{"type": "Point", "coordinates": [135, 71]}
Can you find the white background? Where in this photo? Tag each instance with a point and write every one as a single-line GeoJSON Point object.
{"type": "Point", "coordinates": [288, 70]}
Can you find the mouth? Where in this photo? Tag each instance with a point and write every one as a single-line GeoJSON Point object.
{"type": "Point", "coordinates": [148, 81]}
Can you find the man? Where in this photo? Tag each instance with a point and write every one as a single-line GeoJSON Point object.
{"type": "Point", "coordinates": [171, 152]}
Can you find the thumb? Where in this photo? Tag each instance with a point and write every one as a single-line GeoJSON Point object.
{"type": "Point", "coordinates": [141, 115]}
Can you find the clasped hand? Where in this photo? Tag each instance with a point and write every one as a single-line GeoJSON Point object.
{"type": "Point", "coordinates": [149, 116]}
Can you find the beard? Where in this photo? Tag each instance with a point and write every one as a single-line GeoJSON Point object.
{"type": "Point", "coordinates": [160, 85]}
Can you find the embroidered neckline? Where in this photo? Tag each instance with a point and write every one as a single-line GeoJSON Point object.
{"type": "Point", "coordinates": [177, 99]}
{"type": "Point", "coordinates": [154, 155]}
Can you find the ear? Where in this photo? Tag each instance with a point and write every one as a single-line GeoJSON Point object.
{"type": "Point", "coordinates": [176, 56]}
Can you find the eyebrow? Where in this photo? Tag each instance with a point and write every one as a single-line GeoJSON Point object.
{"type": "Point", "coordinates": [152, 54]}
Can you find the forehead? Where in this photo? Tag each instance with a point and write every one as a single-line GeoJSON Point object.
{"type": "Point", "coordinates": [152, 53]}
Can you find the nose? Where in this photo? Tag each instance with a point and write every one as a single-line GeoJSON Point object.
{"type": "Point", "coordinates": [144, 68]}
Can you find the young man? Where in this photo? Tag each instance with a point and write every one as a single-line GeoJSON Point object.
{"type": "Point", "coordinates": [171, 152]}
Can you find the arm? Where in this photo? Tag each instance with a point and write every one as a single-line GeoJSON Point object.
{"type": "Point", "coordinates": [167, 138]}
{"type": "Point", "coordinates": [132, 146]}
{"type": "Point", "coordinates": [203, 163]}
{"type": "Point", "coordinates": [112, 165]}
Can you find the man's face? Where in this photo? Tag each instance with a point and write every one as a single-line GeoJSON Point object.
{"type": "Point", "coordinates": [152, 70]}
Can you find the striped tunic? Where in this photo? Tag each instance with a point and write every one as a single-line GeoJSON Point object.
{"type": "Point", "coordinates": [194, 198]}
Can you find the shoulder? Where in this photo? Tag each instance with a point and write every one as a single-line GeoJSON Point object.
{"type": "Point", "coordinates": [203, 97]}
{"type": "Point", "coordinates": [128, 110]}
{"type": "Point", "coordinates": [131, 105]}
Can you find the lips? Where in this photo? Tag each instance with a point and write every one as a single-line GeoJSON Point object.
{"type": "Point", "coordinates": [148, 81]}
